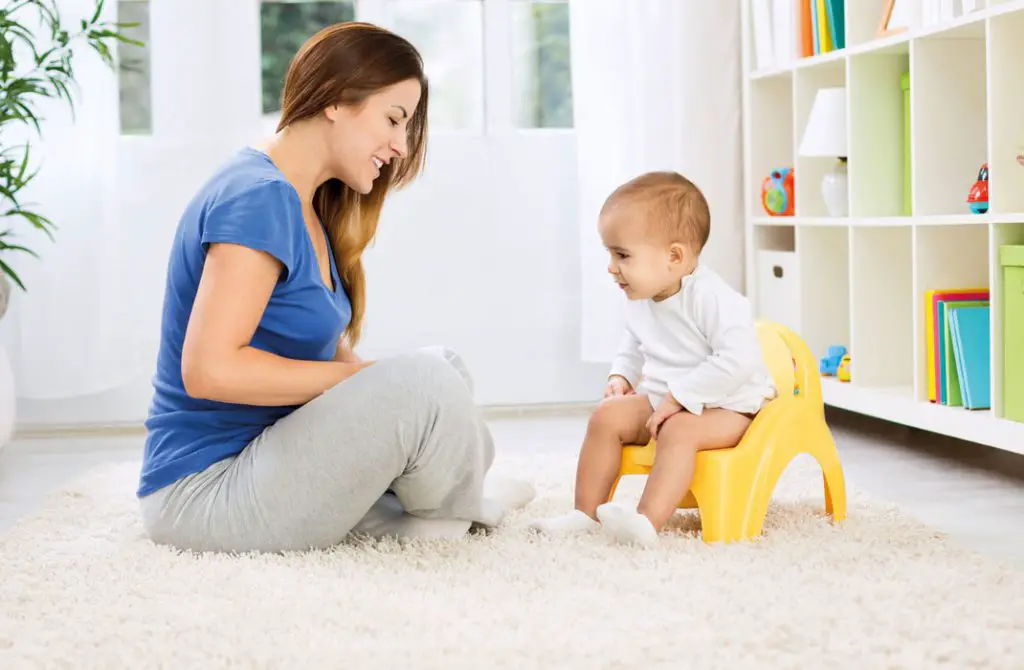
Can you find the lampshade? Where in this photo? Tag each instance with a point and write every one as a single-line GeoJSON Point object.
{"type": "Point", "coordinates": [825, 134]}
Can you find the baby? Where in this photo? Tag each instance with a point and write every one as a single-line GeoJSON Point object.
{"type": "Point", "coordinates": [689, 371]}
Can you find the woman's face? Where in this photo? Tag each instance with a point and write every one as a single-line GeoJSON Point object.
{"type": "Point", "coordinates": [363, 139]}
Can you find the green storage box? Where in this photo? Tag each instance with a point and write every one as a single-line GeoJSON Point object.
{"type": "Point", "coordinates": [905, 85]}
{"type": "Point", "coordinates": [1011, 257]}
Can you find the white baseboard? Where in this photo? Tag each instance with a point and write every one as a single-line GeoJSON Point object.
{"type": "Point", "coordinates": [490, 412]}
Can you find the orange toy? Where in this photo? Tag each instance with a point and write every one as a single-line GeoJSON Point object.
{"type": "Point", "coordinates": [732, 487]}
{"type": "Point", "coordinates": [777, 193]}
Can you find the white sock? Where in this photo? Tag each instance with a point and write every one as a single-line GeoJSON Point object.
{"type": "Point", "coordinates": [501, 495]}
{"type": "Point", "coordinates": [573, 522]}
{"type": "Point", "coordinates": [508, 492]}
{"type": "Point", "coordinates": [627, 526]}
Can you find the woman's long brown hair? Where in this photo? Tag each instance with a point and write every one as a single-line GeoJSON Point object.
{"type": "Point", "coordinates": [343, 64]}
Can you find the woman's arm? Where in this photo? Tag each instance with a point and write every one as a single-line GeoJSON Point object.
{"type": "Point", "coordinates": [217, 362]}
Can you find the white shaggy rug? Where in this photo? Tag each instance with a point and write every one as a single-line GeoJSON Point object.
{"type": "Point", "coordinates": [81, 587]}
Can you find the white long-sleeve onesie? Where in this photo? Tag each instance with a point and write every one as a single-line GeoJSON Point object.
{"type": "Point", "coordinates": [700, 345]}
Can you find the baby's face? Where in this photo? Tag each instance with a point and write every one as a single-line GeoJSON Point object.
{"type": "Point", "coordinates": [643, 266]}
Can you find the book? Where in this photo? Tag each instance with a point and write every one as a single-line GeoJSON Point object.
{"type": "Point", "coordinates": [969, 328]}
{"type": "Point", "coordinates": [950, 386]}
{"type": "Point", "coordinates": [932, 348]}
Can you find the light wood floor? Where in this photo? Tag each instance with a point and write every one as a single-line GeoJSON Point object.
{"type": "Point", "coordinates": [974, 493]}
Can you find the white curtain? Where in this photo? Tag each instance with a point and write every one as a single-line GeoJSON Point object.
{"type": "Point", "coordinates": [89, 322]}
{"type": "Point", "coordinates": [59, 332]}
{"type": "Point", "coordinates": [656, 86]}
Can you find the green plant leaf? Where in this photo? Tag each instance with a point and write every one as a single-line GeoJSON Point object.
{"type": "Point", "coordinates": [32, 38]}
{"type": "Point", "coordinates": [9, 271]}
{"type": "Point", "coordinates": [96, 14]}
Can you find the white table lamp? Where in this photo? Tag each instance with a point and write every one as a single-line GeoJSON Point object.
{"type": "Point", "coordinates": [825, 135]}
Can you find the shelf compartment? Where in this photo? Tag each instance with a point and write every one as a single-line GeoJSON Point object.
{"type": "Point", "coordinates": [810, 170]}
{"type": "Point", "coordinates": [945, 258]}
{"type": "Point", "coordinates": [774, 238]}
{"type": "Point", "coordinates": [1005, 233]}
{"type": "Point", "coordinates": [771, 131]}
{"type": "Point", "coordinates": [1006, 90]}
{"type": "Point", "coordinates": [863, 18]}
{"type": "Point", "coordinates": [948, 110]}
{"type": "Point", "coordinates": [824, 254]}
{"type": "Point", "coordinates": [879, 135]}
{"type": "Point", "coordinates": [882, 310]}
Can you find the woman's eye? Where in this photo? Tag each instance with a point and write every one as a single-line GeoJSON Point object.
{"type": "Point", "coordinates": [393, 121]}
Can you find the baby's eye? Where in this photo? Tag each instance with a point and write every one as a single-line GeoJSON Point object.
{"type": "Point", "coordinates": [621, 255]}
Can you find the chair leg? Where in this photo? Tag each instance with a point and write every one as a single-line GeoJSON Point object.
{"type": "Point", "coordinates": [832, 474]}
{"type": "Point", "coordinates": [737, 513]}
{"type": "Point", "coordinates": [615, 485]}
{"type": "Point", "coordinates": [717, 524]}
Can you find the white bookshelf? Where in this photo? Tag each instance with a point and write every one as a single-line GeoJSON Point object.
{"type": "Point", "coordinates": [859, 280]}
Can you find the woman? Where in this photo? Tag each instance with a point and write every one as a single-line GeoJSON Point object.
{"type": "Point", "coordinates": [267, 432]}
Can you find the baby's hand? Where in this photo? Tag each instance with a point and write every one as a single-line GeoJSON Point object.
{"type": "Point", "coordinates": [618, 385]}
{"type": "Point", "coordinates": [666, 408]}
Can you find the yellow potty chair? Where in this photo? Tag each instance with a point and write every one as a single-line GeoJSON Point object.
{"type": "Point", "coordinates": [732, 487]}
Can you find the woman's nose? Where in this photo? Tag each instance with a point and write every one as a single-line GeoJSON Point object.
{"type": "Point", "coordinates": [401, 146]}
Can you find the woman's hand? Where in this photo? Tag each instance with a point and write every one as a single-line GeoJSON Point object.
{"type": "Point", "coordinates": [217, 361]}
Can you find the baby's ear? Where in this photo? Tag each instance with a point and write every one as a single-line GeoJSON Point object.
{"type": "Point", "coordinates": [678, 253]}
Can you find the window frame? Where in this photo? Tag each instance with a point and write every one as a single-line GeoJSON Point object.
{"type": "Point", "coordinates": [146, 48]}
{"type": "Point", "coordinates": [498, 113]}
{"type": "Point", "coordinates": [498, 117]}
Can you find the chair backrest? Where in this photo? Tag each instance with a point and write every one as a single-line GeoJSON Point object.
{"type": "Point", "coordinates": [792, 366]}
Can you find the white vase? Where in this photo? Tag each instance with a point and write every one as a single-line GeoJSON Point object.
{"type": "Point", "coordinates": [5, 294]}
{"type": "Point", "coordinates": [6, 375]}
{"type": "Point", "coordinates": [6, 399]}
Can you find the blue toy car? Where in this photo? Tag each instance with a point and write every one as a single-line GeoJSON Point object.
{"type": "Point", "coordinates": [830, 363]}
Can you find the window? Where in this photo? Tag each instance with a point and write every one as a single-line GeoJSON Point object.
{"type": "Point", "coordinates": [492, 64]}
{"type": "Point", "coordinates": [449, 36]}
{"type": "Point", "coordinates": [542, 80]}
{"type": "Point", "coordinates": [284, 27]}
{"type": "Point", "coordinates": [135, 99]}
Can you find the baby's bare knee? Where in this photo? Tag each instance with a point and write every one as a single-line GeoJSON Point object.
{"type": "Point", "coordinates": [679, 431]}
{"type": "Point", "coordinates": [622, 419]}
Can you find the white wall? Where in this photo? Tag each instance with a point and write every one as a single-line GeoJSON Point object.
{"type": "Point", "coordinates": [481, 254]}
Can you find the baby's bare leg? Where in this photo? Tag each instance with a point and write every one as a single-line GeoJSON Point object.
{"type": "Point", "coordinates": [618, 421]}
{"type": "Point", "coordinates": [679, 440]}
{"type": "Point", "coordinates": [680, 437]}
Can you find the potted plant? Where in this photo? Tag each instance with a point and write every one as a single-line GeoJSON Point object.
{"type": "Point", "coordinates": [36, 61]}
{"type": "Point", "coordinates": [6, 373]}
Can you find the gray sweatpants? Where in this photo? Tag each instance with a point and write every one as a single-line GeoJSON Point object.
{"type": "Point", "coordinates": [397, 449]}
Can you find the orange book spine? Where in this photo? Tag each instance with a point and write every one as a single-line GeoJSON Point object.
{"type": "Point", "coordinates": [806, 28]}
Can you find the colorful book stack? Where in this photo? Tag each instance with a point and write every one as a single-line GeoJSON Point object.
{"type": "Point", "coordinates": [822, 26]}
{"type": "Point", "coordinates": [787, 30]}
{"type": "Point", "coordinates": [958, 348]}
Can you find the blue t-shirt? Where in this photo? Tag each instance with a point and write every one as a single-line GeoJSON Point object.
{"type": "Point", "coordinates": [247, 202]}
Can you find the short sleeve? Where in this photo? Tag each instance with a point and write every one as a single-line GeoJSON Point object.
{"type": "Point", "coordinates": [264, 217]}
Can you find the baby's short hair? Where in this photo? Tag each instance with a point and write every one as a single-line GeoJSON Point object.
{"type": "Point", "coordinates": [673, 206]}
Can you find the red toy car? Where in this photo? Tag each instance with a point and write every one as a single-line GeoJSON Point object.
{"type": "Point", "coordinates": [977, 198]}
